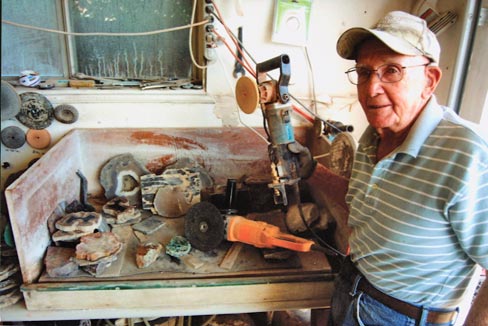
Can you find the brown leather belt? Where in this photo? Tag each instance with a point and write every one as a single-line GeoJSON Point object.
{"type": "Point", "coordinates": [404, 307]}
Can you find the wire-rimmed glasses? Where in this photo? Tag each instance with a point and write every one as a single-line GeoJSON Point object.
{"type": "Point", "coordinates": [387, 73]}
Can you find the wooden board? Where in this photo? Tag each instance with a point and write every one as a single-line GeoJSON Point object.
{"type": "Point", "coordinates": [176, 298]}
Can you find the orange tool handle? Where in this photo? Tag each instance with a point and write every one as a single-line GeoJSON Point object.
{"type": "Point", "coordinates": [263, 235]}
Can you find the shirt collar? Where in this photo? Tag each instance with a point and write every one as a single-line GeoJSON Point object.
{"type": "Point", "coordinates": [428, 119]}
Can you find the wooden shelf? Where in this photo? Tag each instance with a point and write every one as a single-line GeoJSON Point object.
{"type": "Point", "coordinates": [176, 301]}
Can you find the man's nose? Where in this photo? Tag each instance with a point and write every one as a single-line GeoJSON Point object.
{"type": "Point", "coordinates": [374, 85]}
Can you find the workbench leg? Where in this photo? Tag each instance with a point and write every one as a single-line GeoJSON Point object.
{"type": "Point", "coordinates": [319, 317]}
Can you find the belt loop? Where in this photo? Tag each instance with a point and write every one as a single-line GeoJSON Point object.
{"type": "Point", "coordinates": [454, 320]}
{"type": "Point", "coordinates": [423, 317]}
{"type": "Point", "coordinates": [355, 284]}
{"type": "Point", "coordinates": [356, 309]}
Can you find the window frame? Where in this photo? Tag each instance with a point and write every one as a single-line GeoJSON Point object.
{"type": "Point", "coordinates": [69, 60]}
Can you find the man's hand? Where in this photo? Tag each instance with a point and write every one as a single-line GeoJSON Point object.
{"type": "Point", "coordinates": [306, 162]}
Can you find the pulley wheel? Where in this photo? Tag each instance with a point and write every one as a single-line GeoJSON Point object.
{"type": "Point", "coordinates": [13, 137]}
{"type": "Point", "coordinates": [204, 226]}
{"type": "Point", "coordinates": [66, 113]}
{"type": "Point", "coordinates": [36, 112]}
{"type": "Point", "coordinates": [247, 94]}
{"type": "Point", "coordinates": [38, 139]}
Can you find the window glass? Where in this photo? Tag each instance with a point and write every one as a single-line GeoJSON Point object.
{"type": "Point", "coordinates": [156, 56]}
{"type": "Point", "coordinates": [137, 57]}
{"type": "Point", "coordinates": [26, 49]}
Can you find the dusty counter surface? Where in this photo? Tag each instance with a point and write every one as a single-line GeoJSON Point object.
{"type": "Point", "coordinates": [252, 284]}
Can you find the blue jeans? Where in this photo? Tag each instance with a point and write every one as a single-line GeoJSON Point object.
{"type": "Point", "coordinates": [355, 308]}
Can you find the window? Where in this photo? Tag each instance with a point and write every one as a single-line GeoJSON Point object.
{"type": "Point", "coordinates": [149, 57]}
{"type": "Point", "coordinates": [24, 49]}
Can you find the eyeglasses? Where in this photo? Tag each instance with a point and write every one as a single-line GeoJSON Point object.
{"type": "Point", "coordinates": [387, 73]}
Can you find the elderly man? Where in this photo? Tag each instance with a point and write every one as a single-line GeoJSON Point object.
{"type": "Point", "coordinates": [418, 194]}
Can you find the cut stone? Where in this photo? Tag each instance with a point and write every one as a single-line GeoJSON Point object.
{"type": "Point", "coordinates": [178, 246]}
{"type": "Point", "coordinates": [171, 202]}
{"type": "Point", "coordinates": [193, 167]}
{"type": "Point", "coordinates": [116, 205]}
{"type": "Point", "coordinates": [68, 236]}
{"type": "Point", "coordinates": [121, 210]}
{"type": "Point", "coordinates": [149, 225]}
{"type": "Point", "coordinates": [80, 221]}
{"type": "Point", "coordinates": [120, 177]}
{"type": "Point", "coordinates": [294, 221]}
{"type": "Point", "coordinates": [98, 245]}
{"type": "Point", "coordinates": [172, 193]}
{"type": "Point", "coordinates": [97, 269]}
{"type": "Point", "coordinates": [58, 261]}
{"type": "Point", "coordinates": [147, 253]}
{"type": "Point", "coordinates": [10, 298]}
{"type": "Point", "coordinates": [56, 215]}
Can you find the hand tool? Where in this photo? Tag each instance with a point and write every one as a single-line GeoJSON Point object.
{"type": "Point", "coordinates": [165, 83]}
{"type": "Point", "coordinates": [274, 99]}
{"type": "Point", "coordinates": [101, 82]}
{"type": "Point", "coordinates": [238, 68]}
{"type": "Point", "coordinates": [276, 107]}
{"type": "Point", "coordinates": [206, 227]}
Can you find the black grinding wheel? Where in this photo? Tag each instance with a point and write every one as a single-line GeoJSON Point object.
{"type": "Point", "coordinates": [13, 137]}
{"type": "Point", "coordinates": [204, 226]}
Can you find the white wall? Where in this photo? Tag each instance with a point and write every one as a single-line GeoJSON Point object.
{"type": "Point", "coordinates": [157, 108]}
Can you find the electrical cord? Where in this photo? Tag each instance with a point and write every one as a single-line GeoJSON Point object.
{"type": "Point", "coordinates": [190, 26]}
{"type": "Point", "coordinates": [312, 79]}
{"type": "Point", "coordinates": [248, 69]}
{"type": "Point", "coordinates": [159, 31]}
{"type": "Point", "coordinates": [190, 44]}
{"type": "Point", "coordinates": [238, 112]}
{"type": "Point", "coordinates": [239, 45]}
{"type": "Point", "coordinates": [308, 115]}
{"type": "Point", "coordinates": [324, 246]}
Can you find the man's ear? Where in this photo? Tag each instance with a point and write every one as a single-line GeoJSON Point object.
{"type": "Point", "coordinates": [433, 75]}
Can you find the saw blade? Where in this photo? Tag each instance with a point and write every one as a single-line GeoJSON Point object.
{"type": "Point", "coordinates": [204, 226]}
{"type": "Point", "coordinates": [36, 111]}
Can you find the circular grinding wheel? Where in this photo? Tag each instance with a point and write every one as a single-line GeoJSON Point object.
{"type": "Point", "coordinates": [38, 139]}
{"type": "Point", "coordinates": [318, 127]}
{"type": "Point", "coordinates": [13, 137]}
{"type": "Point", "coordinates": [36, 112]}
{"type": "Point", "coordinates": [342, 150]}
{"type": "Point", "coordinates": [247, 94]}
{"type": "Point", "coordinates": [66, 113]}
{"type": "Point", "coordinates": [10, 101]}
{"type": "Point", "coordinates": [204, 226]}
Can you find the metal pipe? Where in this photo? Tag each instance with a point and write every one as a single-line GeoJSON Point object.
{"type": "Point", "coordinates": [471, 17]}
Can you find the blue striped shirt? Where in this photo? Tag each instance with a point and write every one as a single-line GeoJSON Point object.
{"type": "Point", "coordinates": [419, 216]}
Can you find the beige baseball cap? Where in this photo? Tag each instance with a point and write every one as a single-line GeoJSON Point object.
{"type": "Point", "coordinates": [400, 31]}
